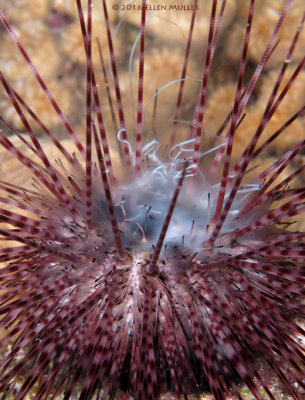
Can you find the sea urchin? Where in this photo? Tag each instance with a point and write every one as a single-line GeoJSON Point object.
{"type": "Point", "coordinates": [170, 268]}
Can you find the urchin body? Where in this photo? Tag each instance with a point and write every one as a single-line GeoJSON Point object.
{"type": "Point", "coordinates": [170, 278]}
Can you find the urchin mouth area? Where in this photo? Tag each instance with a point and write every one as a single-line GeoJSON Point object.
{"type": "Point", "coordinates": [142, 204]}
{"type": "Point", "coordinates": [140, 208]}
